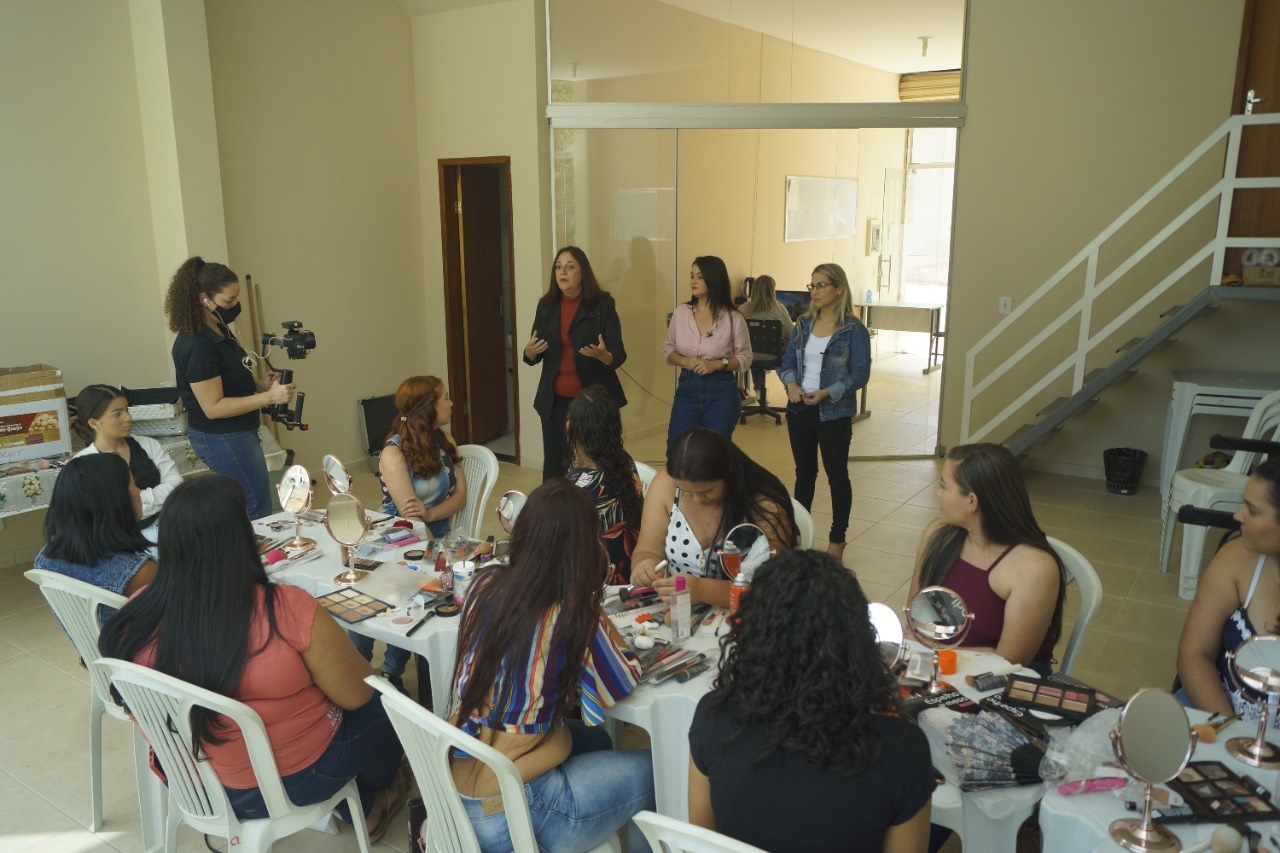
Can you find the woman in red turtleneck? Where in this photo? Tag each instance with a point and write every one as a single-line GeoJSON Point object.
{"type": "Point", "coordinates": [578, 338]}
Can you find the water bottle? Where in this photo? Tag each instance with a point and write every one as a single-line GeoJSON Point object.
{"type": "Point", "coordinates": [869, 296]}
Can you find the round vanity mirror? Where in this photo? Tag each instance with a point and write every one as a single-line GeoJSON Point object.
{"type": "Point", "coordinates": [745, 549]}
{"type": "Point", "coordinates": [347, 524]}
{"type": "Point", "coordinates": [294, 491]}
{"type": "Point", "coordinates": [889, 635]}
{"type": "Point", "coordinates": [336, 475]}
{"type": "Point", "coordinates": [1255, 667]}
{"type": "Point", "coordinates": [509, 506]}
{"type": "Point", "coordinates": [938, 617]}
{"type": "Point", "coordinates": [1153, 742]}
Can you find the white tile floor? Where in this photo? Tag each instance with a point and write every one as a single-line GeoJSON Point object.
{"type": "Point", "coordinates": [43, 740]}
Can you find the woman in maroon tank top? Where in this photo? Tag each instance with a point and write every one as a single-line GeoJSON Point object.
{"type": "Point", "coordinates": [987, 546]}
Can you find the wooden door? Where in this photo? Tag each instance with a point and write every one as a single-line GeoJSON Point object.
{"type": "Point", "coordinates": [1256, 212]}
{"type": "Point", "coordinates": [476, 251]}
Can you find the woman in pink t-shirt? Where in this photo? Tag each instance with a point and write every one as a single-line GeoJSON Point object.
{"type": "Point", "coordinates": [213, 619]}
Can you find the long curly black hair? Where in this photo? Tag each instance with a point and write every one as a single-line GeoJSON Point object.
{"type": "Point", "coordinates": [196, 278]}
{"type": "Point", "coordinates": [594, 427]}
{"type": "Point", "coordinates": [801, 659]}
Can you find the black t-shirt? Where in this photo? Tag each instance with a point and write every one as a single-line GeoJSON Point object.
{"type": "Point", "coordinates": [789, 804]}
{"type": "Point", "coordinates": [204, 356]}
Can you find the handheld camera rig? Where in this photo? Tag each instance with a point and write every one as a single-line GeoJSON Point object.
{"type": "Point", "coordinates": [296, 342]}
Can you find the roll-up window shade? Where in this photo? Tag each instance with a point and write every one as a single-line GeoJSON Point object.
{"type": "Point", "coordinates": [930, 86]}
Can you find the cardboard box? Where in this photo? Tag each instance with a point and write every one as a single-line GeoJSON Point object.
{"type": "Point", "coordinates": [33, 413]}
{"type": "Point", "coordinates": [1266, 276]}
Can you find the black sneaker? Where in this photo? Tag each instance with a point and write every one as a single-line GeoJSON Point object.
{"type": "Point", "coordinates": [397, 681]}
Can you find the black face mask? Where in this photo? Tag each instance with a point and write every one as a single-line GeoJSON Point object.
{"type": "Point", "coordinates": [228, 315]}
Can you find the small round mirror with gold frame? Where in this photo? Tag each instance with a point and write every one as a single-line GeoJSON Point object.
{"type": "Point", "coordinates": [1153, 742]}
{"type": "Point", "coordinates": [347, 524]}
{"type": "Point", "coordinates": [294, 491]}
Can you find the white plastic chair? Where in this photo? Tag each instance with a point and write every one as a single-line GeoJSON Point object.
{"type": "Point", "coordinates": [804, 523]}
{"type": "Point", "coordinates": [1208, 488]}
{"type": "Point", "coordinates": [1082, 573]}
{"type": "Point", "coordinates": [676, 836]}
{"type": "Point", "coordinates": [481, 468]}
{"type": "Point", "coordinates": [646, 473]}
{"type": "Point", "coordinates": [427, 740]}
{"type": "Point", "coordinates": [161, 706]}
{"type": "Point", "coordinates": [75, 604]}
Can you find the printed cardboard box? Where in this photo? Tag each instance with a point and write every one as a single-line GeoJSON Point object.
{"type": "Point", "coordinates": [33, 413]}
{"type": "Point", "coordinates": [1264, 276]}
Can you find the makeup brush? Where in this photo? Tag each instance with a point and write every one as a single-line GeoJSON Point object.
{"type": "Point", "coordinates": [989, 752]}
{"type": "Point", "coordinates": [1208, 731]}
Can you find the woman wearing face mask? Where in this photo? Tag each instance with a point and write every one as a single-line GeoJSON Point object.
{"type": "Point", "coordinates": [219, 392]}
{"type": "Point", "coordinates": [578, 338]}
{"type": "Point", "coordinates": [103, 419]}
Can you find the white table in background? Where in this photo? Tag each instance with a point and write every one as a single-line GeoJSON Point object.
{"type": "Point", "coordinates": [1206, 392]}
{"type": "Point", "coordinates": [1080, 824]}
{"type": "Point", "coordinates": [908, 317]}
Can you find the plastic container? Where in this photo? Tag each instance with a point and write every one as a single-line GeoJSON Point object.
{"type": "Point", "coordinates": [681, 612]}
{"type": "Point", "coordinates": [1122, 467]}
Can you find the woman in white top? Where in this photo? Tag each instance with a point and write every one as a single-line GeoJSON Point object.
{"type": "Point", "coordinates": [826, 361]}
{"type": "Point", "coordinates": [708, 487]}
{"type": "Point", "coordinates": [102, 413]}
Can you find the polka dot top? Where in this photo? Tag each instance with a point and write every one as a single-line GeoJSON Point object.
{"type": "Point", "coordinates": [685, 555]}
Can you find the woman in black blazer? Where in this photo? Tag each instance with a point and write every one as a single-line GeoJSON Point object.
{"type": "Point", "coordinates": [578, 338]}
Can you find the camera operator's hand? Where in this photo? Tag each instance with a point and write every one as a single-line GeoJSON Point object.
{"type": "Point", "coordinates": [279, 393]}
{"type": "Point", "coordinates": [535, 347]}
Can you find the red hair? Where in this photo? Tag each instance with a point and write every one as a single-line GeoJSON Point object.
{"type": "Point", "coordinates": [421, 438]}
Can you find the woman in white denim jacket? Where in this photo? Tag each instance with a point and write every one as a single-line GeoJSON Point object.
{"type": "Point", "coordinates": [828, 358]}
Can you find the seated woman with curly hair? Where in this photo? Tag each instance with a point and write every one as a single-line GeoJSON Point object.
{"type": "Point", "coordinates": [803, 722]}
{"type": "Point", "coordinates": [599, 465]}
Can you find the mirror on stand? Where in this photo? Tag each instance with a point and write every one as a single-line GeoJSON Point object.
{"type": "Point", "coordinates": [1255, 667]}
{"type": "Point", "coordinates": [294, 491]}
{"type": "Point", "coordinates": [347, 524]}
{"type": "Point", "coordinates": [1153, 742]}
{"type": "Point", "coordinates": [938, 617]}
{"type": "Point", "coordinates": [336, 475]}
{"type": "Point", "coordinates": [889, 635]}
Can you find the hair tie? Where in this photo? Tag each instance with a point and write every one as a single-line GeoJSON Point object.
{"type": "Point", "coordinates": [403, 418]}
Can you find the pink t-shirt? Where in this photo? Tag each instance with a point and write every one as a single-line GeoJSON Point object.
{"type": "Point", "coordinates": [300, 719]}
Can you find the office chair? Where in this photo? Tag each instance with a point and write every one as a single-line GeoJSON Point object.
{"type": "Point", "coordinates": [767, 347]}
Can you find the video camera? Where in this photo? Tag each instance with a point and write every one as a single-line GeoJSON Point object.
{"type": "Point", "coordinates": [296, 342]}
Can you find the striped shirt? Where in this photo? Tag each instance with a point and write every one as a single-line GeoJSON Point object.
{"type": "Point", "coordinates": [523, 701]}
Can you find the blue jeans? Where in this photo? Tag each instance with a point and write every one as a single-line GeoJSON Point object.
{"type": "Point", "coordinates": [237, 455]}
{"type": "Point", "coordinates": [393, 661]}
{"type": "Point", "coordinates": [364, 747]}
{"type": "Point", "coordinates": [710, 401]}
{"type": "Point", "coordinates": [580, 803]}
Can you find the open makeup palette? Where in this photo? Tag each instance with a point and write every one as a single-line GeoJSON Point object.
{"type": "Point", "coordinates": [1070, 703]}
{"type": "Point", "coordinates": [351, 605]}
{"type": "Point", "coordinates": [1215, 794]}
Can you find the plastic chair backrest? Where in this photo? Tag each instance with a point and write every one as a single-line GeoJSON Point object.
{"type": "Point", "coordinates": [1263, 424]}
{"type": "Point", "coordinates": [804, 524]}
{"type": "Point", "coordinates": [767, 344]}
{"type": "Point", "coordinates": [675, 836]}
{"type": "Point", "coordinates": [161, 705]}
{"type": "Point", "coordinates": [427, 741]}
{"type": "Point", "coordinates": [1080, 571]}
{"type": "Point", "coordinates": [75, 604]}
{"type": "Point", "coordinates": [646, 473]}
{"type": "Point", "coordinates": [481, 468]}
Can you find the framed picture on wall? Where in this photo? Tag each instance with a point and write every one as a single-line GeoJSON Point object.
{"type": "Point", "coordinates": [873, 236]}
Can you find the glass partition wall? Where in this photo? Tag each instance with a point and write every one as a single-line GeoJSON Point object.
{"type": "Point", "coordinates": [702, 132]}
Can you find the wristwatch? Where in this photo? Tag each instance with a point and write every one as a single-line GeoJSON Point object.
{"type": "Point", "coordinates": [724, 364]}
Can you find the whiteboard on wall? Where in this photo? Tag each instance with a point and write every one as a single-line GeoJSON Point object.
{"type": "Point", "coordinates": [820, 208]}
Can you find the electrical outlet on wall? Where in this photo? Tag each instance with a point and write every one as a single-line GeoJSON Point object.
{"type": "Point", "coordinates": [1006, 304]}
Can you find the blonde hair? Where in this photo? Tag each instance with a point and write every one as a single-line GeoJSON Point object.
{"type": "Point", "coordinates": [844, 299]}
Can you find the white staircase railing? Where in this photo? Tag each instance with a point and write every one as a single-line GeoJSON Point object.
{"type": "Point", "coordinates": [1081, 311]}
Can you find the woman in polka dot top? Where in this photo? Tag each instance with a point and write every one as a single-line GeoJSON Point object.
{"type": "Point", "coordinates": [708, 487]}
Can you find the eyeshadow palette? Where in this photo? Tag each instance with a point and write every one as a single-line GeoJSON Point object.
{"type": "Point", "coordinates": [1072, 703]}
{"type": "Point", "coordinates": [1214, 793]}
{"type": "Point", "coordinates": [352, 605]}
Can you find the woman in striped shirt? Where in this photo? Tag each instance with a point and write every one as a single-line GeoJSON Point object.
{"type": "Point", "coordinates": [534, 647]}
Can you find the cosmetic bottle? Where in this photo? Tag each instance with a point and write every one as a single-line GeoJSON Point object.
{"type": "Point", "coordinates": [681, 612]}
{"type": "Point", "coordinates": [736, 589]}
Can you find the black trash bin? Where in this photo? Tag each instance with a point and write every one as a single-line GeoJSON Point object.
{"type": "Point", "coordinates": [1123, 469]}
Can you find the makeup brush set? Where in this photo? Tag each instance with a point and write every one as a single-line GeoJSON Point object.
{"type": "Point", "coordinates": [990, 752]}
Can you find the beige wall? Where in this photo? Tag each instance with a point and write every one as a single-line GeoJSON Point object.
{"type": "Point", "coordinates": [480, 83]}
{"type": "Point", "coordinates": [318, 138]}
{"type": "Point", "coordinates": [1073, 112]}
